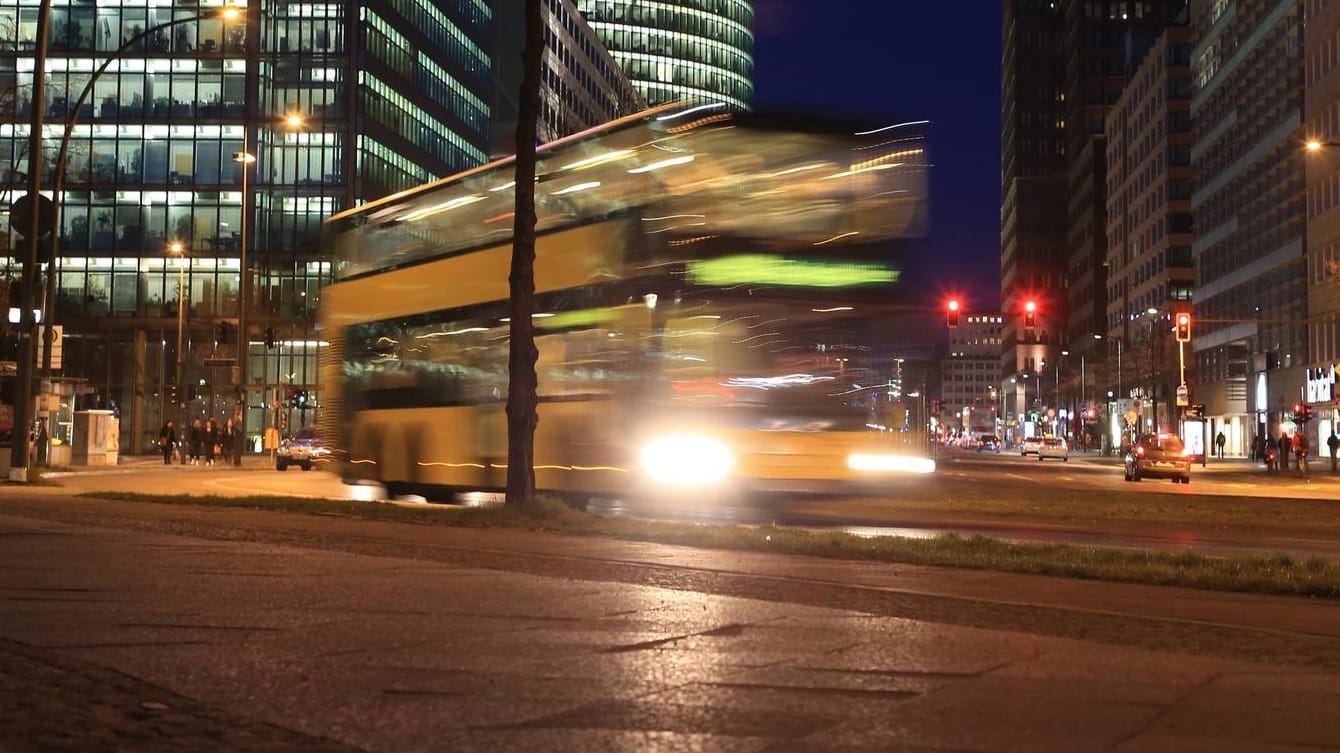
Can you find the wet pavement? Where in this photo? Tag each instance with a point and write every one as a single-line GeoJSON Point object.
{"type": "Point", "coordinates": [158, 627]}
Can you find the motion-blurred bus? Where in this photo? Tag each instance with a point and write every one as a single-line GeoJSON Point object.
{"type": "Point", "coordinates": [709, 292]}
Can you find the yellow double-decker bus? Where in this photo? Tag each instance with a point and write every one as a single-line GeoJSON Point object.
{"type": "Point", "coordinates": [709, 290]}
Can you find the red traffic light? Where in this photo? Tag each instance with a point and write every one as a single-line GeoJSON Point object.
{"type": "Point", "coordinates": [1030, 314]}
{"type": "Point", "coordinates": [953, 306]}
{"type": "Point", "coordinates": [1183, 327]}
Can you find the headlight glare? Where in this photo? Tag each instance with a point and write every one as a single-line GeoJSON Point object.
{"type": "Point", "coordinates": [687, 460]}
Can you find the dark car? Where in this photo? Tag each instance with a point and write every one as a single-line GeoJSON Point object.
{"type": "Point", "coordinates": [1158, 456]}
{"type": "Point", "coordinates": [301, 450]}
{"type": "Point", "coordinates": [988, 443]}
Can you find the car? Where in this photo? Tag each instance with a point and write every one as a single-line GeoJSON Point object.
{"type": "Point", "coordinates": [302, 450]}
{"type": "Point", "coordinates": [1054, 448]}
{"type": "Point", "coordinates": [1030, 445]}
{"type": "Point", "coordinates": [1158, 456]}
{"type": "Point", "coordinates": [988, 443]}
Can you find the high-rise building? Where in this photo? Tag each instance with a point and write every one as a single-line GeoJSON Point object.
{"type": "Point", "coordinates": [1321, 119]}
{"type": "Point", "coordinates": [385, 94]}
{"type": "Point", "coordinates": [970, 375]}
{"type": "Point", "coordinates": [1064, 65]}
{"type": "Point", "coordinates": [680, 50]}
{"type": "Point", "coordinates": [581, 85]}
{"type": "Point", "coordinates": [1250, 215]}
{"type": "Point", "coordinates": [1032, 216]}
{"type": "Point", "coordinates": [1150, 277]}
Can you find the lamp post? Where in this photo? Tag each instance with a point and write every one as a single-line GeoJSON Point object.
{"type": "Point", "coordinates": [178, 250]}
{"type": "Point", "coordinates": [245, 159]}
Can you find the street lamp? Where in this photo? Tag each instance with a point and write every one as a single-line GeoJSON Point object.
{"type": "Point", "coordinates": [178, 250]}
{"type": "Point", "coordinates": [245, 159]}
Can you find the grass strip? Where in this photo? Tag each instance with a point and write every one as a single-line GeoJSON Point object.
{"type": "Point", "coordinates": [1275, 574]}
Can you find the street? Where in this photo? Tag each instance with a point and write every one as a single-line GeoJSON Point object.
{"type": "Point", "coordinates": [186, 626]}
{"type": "Point", "coordinates": [962, 476]}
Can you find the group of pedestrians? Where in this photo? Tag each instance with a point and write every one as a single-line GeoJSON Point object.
{"type": "Point", "coordinates": [1275, 451]}
{"type": "Point", "coordinates": [204, 441]}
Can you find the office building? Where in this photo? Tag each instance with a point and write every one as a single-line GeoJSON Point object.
{"type": "Point", "coordinates": [386, 95]}
{"type": "Point", "coordinates": [1064, 64]}
{"type": "Point", "coordinates": [1148, 236]}
{"type": "Point", "coordinates": [1321, 123]}
{"type": "Point", "coordinates": [970, 375]}
{"type": "Point", "coordinates": [1249, 211]}
{"type": "Point", "coordinates": [680, 50]}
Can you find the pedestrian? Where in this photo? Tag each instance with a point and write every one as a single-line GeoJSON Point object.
{"type": "Point", "coordinates": [1271, 452]}
{"type": "Point", "coordinates": [1258, 447]}
{"type": "Point", "coordinates": [1333, 442]}
{"type": "Point", "coordinates": [211, 439]}
{"type": "Point", "coordinates": [1301, 444]}
{"type": "Point", "coordinates": [195, 437]}
{"type": "Point", "coordinates": [1285, 442]}
{"type": "Point", "coordinates": [1219, 441]}
{"type": "Point", "coordinates": [167, 440]}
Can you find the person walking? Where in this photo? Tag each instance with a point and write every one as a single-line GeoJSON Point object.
{"type": "Point", "coordinates": [1285, 442]}
{"type": "Point", "coordinates": [195, 436]}
{"type": "Point", "coordinates": [167, 440]}
{"type": "Point", "coordinates": [1301, 444]}
{"type": "Point", "coordinates": [1270, 453]}
{"type": "Point", "coordinates": [1333, 442]}
{"type": "Point", "coordinates": [1219, 441]}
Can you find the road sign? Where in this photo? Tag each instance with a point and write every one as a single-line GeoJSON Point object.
{"type": "Point", "coordinates": [1183, 395]}
{"type": "Point", "coordinates": [21, 215]}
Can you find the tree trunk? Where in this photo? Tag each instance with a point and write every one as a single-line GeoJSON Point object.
{"type": "Point", "coordinates": [521, 381]}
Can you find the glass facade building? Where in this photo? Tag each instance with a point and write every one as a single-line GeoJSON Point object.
{"type": "Point", "coordinates": [680, 50]}
{"type": "Point", "coordinates": [387, 95]}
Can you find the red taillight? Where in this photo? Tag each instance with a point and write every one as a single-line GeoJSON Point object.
{"type": "Point", "coordinates": [1140, 450]}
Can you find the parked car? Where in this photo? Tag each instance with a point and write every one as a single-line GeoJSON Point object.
{"type": "Point", "coordinates": [1158, 456]}
{"type": "Point", "coordinates": [1054, 448]}
{"type": "Point", "coordinates": [1030, 446]}
{"type": "Point", "coordinates": [301, 450]}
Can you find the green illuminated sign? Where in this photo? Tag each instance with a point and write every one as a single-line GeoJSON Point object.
{"type": "Point", "coordinates": [769, 269]}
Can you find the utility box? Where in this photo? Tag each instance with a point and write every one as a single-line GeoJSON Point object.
{"type": "Point", "coordinates": [94, 432]}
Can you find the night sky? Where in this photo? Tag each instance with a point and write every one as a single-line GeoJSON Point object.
{"type": "Point", "coordinates": [891, 61]}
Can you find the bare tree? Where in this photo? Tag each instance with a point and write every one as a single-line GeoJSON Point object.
{"type": "Point", "coordinates": [521, 381]}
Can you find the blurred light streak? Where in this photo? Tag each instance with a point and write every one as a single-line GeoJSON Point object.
{"type": "Point", "coordinates": [670, 162]}
{"type": "Point", "coordinates": [895, 125]}
{"type": "Point", "coordinates": [598, 159]}
{"type": "Point", "coordinates": [578, 187]}
{"type": "Point", "coordinates": [835, 308]}
{"type": "Point", "coordinates": [691, 110]}
{"type": "Point", "coordinates": [836, 237]}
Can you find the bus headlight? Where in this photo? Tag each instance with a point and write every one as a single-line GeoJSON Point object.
{"type": "Point", "coordinates": [890, 463]}
{"type": "Point", "coordinates": [687, 460]}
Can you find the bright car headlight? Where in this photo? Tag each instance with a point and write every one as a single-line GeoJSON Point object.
{"type": "Point", "coordinates": [687, 460]}
{"type": "Point", "coordinates": [890, 463]}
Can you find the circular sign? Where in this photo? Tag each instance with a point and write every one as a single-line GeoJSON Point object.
{"type": "Point", "coordinates": [21, 215]}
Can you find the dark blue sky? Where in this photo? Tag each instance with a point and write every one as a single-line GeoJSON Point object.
{"type": "Point", "coordinates": [938, 61]}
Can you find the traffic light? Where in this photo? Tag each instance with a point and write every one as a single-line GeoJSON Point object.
{"type": "Point", "coordinates": [1030, 314]}
{"type": "Point", "coordinates": [1302, 412]}
{"type": "Point", "coordinates": [952, 311]}
{"type": "Point", "coordinates": [1183, 328]}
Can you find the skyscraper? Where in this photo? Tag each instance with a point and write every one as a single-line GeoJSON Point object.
{"type": "Point", "coordinates": [1250, 214]}
{"type": "Point", "coordinates": [680, 50]}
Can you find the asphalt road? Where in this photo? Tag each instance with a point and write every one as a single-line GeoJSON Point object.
{"type": "Point", "coordinates": [151, 627]}
{"type": "Point", "coordinates": [961, 476]}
